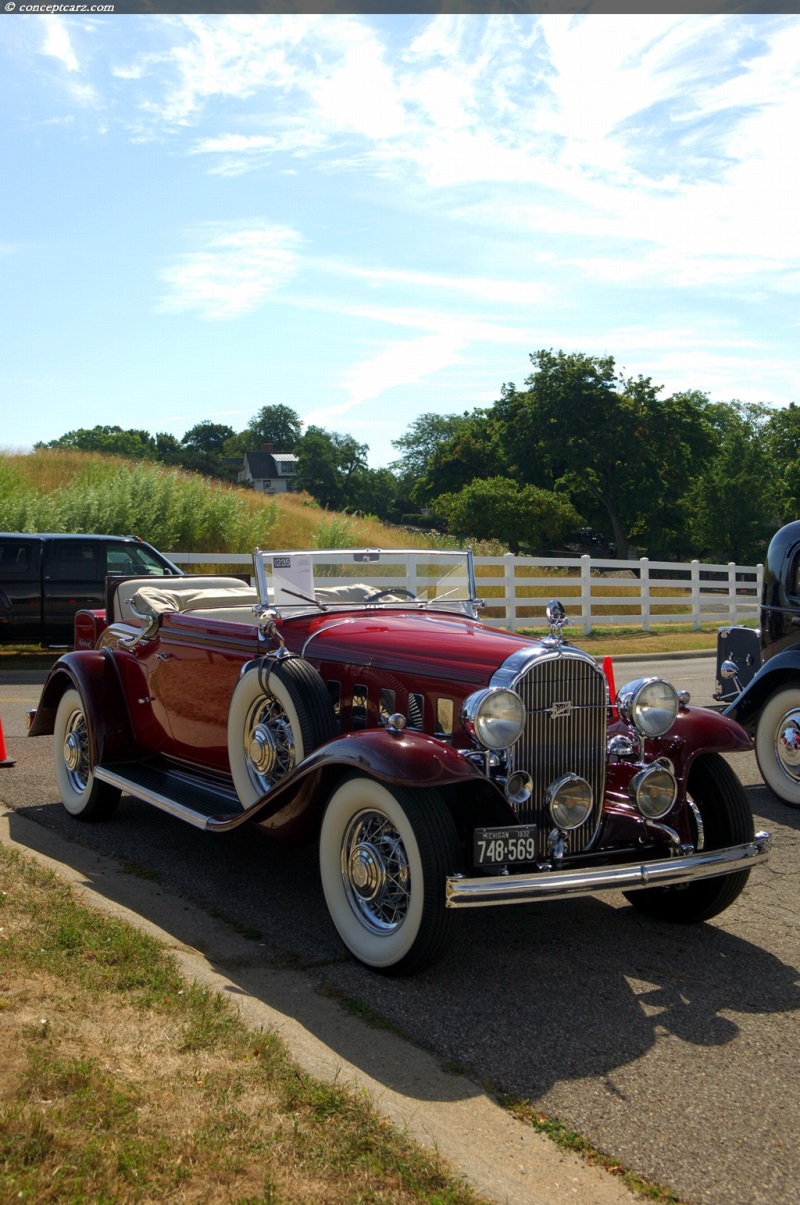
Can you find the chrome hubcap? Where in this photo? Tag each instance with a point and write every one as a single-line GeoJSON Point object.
{"type": "Point", "coordinates": [375, 872]}
{"type": "Point", "coordinates": [76, 751]}
{"type": "Point", "coordinates": [72, 752]}
{"type": "Point", "coordinates": [787, 744]}
{"type": "Point", "coordinates": [269, 745]}
{"type": "Point", "coordinates": [262, 749]}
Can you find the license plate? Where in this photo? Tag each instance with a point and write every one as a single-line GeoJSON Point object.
{"type": "Point", "coordinates": [503, 846]}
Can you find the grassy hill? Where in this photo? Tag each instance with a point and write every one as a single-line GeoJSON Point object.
{"type": "Point", "coordinates": [174, 510]}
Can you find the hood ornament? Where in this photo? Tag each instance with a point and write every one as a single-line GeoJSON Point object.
{"type": "Point", "coordinates": [557, 618]}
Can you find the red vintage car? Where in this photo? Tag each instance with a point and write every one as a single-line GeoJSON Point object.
{"type": "Point", "coordinates": [353, 698]}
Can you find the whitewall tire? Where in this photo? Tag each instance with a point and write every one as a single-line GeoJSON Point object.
{"type": "Point", "coordinates": [778, 744]}
{"type": "Point", "coordinates": [385, 852]}
{"type": "Point", "coordinates": [82, 795]}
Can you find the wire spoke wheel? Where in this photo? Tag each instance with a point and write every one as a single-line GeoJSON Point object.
{"type": "Point", "coordinates": [375, 871]}
{"type": "Point", "coordinates": [385, 852]}
{"type": "Point", "coordinates": [81, 794]}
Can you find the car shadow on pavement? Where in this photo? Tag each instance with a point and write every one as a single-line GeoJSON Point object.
{"type": "Point", "coordinates": [528, 997]}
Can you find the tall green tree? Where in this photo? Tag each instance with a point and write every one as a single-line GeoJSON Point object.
{"type": "Point", "coordinates": [472, 451]}
{"type": "Point", "coordinates": [502, 509]}
{"type": "Point", "coordinates": [329, 465]}
{"type": "Point", "coordinates": [625, 457]}
{"type": "Point", "coordinates": [110, 440]}
{"type": "Point", "coordinates": [207, 437]}
{"type": "Point", "coordinates": [278, 425]}
{"type": "Point", "coordinates": [423, 439]}
{"type": "Point", "coordinates": [781, 432]}
{"type": "Point", "coordinates": [732, 502]}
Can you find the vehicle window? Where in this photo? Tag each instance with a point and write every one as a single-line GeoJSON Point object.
{"type": "Point", "coordinates": [74, 561]}
{"type": "Point", "coordinates": [133, 560]}
{"type": "Point", "coordinates": [15, 559]}
{"type": "Point", "coordinates": [794, 577]}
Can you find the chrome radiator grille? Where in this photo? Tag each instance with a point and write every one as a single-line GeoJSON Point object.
{"type": "Point", "coordinates": [565, 698]}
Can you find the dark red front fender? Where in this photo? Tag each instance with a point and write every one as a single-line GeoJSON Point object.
{"type": "Point", "coordinates": [94, 675]}
{"type": "Point", "coordinates": [403, 758]}
{"type": "Point", "coordinates": [700, 730]}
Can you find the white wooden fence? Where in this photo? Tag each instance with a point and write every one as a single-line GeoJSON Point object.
{"type": "Point", "coordinates": [594, 592]}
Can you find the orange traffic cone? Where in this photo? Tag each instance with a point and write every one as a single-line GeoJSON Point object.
{"type": "Point", "coordinates": [608, 670]}
{"type": "Point", "coordinates": [5, 760]}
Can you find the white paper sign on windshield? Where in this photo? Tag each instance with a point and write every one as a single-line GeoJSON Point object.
{"type": "Point", "coordinates": [292, 579]}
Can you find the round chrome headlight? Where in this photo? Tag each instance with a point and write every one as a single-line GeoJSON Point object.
{"type": "Point", "coordinates": [654, 791]}
{"type": "Point", "coordinates": [650, 704]}
{"type": "Point", "coordinates": [494, 717]}
{"type": "Point", "coordinates": [570, 801]}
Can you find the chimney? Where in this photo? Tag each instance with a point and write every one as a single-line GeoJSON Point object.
{"type": "Point", "coordinates": [267, 447]}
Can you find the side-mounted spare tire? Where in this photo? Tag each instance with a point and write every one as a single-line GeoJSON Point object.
{"type": "Point", "coordinates": [280, 712]}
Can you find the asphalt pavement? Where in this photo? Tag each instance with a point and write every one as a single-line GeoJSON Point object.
{"type": "Point", "coordinates": [673, 1049]}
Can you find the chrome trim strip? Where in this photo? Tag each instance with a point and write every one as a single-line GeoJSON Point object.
{"type": "Point", "coordinates": [165, 804]}
{"type": "Point", "coordinates": [520, 662]}
{"type": "Point", "coordinates": [564, 884]}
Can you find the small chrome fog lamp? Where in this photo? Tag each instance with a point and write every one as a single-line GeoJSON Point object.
{"type": "Point", "coordinates": [519, 787]}
{"type": "Point", "coordinates": [570, 801]}
{"type": "Point", "coordinates": [653, 791]}
{"type": "Point", "coordinates": [494, 717]}
{"type": "Point", "coordinates": [650, 704]}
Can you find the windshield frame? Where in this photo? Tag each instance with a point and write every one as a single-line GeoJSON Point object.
{"type": "Point", "coordinates": [289, 582]}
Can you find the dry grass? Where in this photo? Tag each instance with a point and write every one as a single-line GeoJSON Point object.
{"type": "Point", "coordinates": [122, 1082]}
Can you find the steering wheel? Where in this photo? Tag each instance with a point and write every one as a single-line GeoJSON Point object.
{"type": "Point", "coordinates": [397, 590]}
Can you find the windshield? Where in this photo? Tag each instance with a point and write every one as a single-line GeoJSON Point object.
{"type": "Point", "coordinates": [366, 577]}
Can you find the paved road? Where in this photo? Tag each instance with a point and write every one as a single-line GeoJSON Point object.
{"type": "Point", "coordinates": [674, 1049]}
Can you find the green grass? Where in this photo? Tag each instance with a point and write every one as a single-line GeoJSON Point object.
{"type": "Point", "coordinates": [121, 1081]}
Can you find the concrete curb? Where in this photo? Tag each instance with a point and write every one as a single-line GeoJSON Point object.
{"type": "Point", "coordinates": [503, 1160]}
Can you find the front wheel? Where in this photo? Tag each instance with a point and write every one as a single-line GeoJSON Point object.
{"type": "Point", "coordinates": [725, 818]}
{"type": "Point", "coordinates": [778, 744]}
{"type": "Point", "coordinates": [82, 795]}
{"type": "Point", "coordinates": [385, 852]}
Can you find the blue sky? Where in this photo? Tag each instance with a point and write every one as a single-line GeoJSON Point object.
{"type": "Point", "coordinates": [367, 218]}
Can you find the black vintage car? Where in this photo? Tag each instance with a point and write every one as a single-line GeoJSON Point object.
{"type": "Point", "coordinates": [758, 671]}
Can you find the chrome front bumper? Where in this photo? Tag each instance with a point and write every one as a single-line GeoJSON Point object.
{"type": "Point", "coordinates": [489, 891]}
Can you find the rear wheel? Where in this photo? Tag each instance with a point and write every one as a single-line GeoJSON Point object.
{"type": "Point", "coordinates": [725, 819]}
{"type": "Point", "coordinates": [385, 852]}
{"type": "Point", "coordinates": [778, 744]}
{"type": "Point", "coordinates": [82, 795]}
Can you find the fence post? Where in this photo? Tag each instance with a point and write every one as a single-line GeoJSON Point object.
{"type": "Point", "coordinates": [411, 571]}
{"type": "Point", "coordinates": [586, 593]}
{"type": "Point", "coordinates": [696, 595]}
{"type": "Point", "coordinates": [732, 591]}
{"type": "Point", "coordinates": [510, 588]}
{"type": "Point", "coordinates": [644, 590]}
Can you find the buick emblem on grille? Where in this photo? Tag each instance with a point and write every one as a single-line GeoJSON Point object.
{"type": "Point", "coordinates": [560, 710]}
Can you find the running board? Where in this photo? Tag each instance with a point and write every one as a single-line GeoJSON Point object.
{"type": "Point", "coordinates": [205, 807]}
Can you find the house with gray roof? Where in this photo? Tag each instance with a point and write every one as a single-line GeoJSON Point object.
{"type": "Point", "coordinates": [268, 471]}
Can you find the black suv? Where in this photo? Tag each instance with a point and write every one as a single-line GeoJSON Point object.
{"type": "Point", "coordinates": [46, 577]}
{"type": "Point", "coordinates": [758, 672]}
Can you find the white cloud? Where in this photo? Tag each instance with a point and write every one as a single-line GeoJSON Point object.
{"type": "Point", "coordinates": [510, 292]}
{"type": "Point", "coordinates": [57, 44]}
{"type": "Point", "coordinates": [233, 273]}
